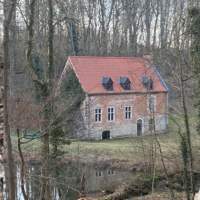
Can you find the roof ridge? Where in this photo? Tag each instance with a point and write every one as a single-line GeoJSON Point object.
{"type": "Point", "coordinates": [109, 57]}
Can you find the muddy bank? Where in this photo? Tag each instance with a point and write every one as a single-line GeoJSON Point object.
{"type": "Point", "coordinates": [143, 186]}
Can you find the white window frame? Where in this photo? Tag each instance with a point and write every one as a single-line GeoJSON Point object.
{"type": "Point", "coordinates": [148, 103]}
{"type": "Point", "coordinates": [111, 107]}
{"type": "Point", "coordinates": [126, 112]}
{"type": "Point", "coordinates": [98, 114]}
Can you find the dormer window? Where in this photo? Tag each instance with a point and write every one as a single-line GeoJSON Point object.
{"type": "Point", "coordinates": [147, 82]}
{"type": "Point", "coordinates": [107, 83]}
{"type": "Point", "coordinates": [125, 83]}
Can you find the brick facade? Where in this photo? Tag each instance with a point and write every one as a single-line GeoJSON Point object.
{"type": "Point", "coordinates": [121, 127]}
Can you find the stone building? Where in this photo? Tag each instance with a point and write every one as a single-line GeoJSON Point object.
{"type": "Point", "coordinates": [125, 96]}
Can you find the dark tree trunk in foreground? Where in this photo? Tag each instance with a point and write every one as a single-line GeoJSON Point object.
{"type": "Point", "coordinates": [9, 7]}
{"type": "Point", "coordinates": [48, 107]}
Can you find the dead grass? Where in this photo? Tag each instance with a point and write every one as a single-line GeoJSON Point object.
{"type": "Point", "coordinates": [124, 149]}
{"type": "Point", "coordinates": [134, 150]}
{"type": "Point", "coordinates": [137, 149]}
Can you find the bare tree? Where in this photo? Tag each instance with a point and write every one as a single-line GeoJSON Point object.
{"type": "Point", "coordinates": [9, 7]}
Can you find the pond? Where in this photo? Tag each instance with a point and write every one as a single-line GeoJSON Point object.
{"type": "Point", "coordinates": [68, 180]}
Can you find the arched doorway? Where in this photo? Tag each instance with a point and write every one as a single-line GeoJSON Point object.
{"type": "Point", "coordinates": [105, 135]}
{"type": "Point", "coordinates": [139, 127]}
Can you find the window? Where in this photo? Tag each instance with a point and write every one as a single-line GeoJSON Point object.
{"type": "Point", "coordinates": [147, 82]}
{"type": "Point", "coordinates": [151, 125]}
{"type": "Point", "coordinates": [111, 114]}
{"type": "Point", "coordinates": [98, 114]}
{"type": "Point", "coordinates": [125, 83]}
{"type": "Point", "coordinates": [128, 112]}
{"type": "Point", "coordinates": [107, 83]}
{"type": "Point", "coordinates": [110, 172]}
{"type": "Point", "coordinates": [152, 104]}
{"type": "Point", "coordinates": [98, 173]}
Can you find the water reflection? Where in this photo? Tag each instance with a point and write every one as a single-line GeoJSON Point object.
{"type": "Point", "coordinates": [2, 178]}
{"type": "Point", "coordinates": [69, 180]}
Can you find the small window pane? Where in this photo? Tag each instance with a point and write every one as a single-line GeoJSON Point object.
{"type": "Point", "coordinates": [98, 114]}
{"type": "Point", "coordinates": [111, 113]}
{"type": "Point", "coordinates": [128, 112]}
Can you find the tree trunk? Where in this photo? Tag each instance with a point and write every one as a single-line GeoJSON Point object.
{"type": "Point", "coordinates": [48, 108]}
{"type": "Point", "coordinates": [22, 169]}
{"type": "Point", "coordinates": [9, 7]}
{"type": "Point", "coordinates": [162, 25]}
{"type": "Point", "coordinates": [187, 134]}
{"type": "Point", "coordinates": [148, 24]}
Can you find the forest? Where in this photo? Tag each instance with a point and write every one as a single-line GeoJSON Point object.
{"type": "Point", "coordinates": [39, 160]}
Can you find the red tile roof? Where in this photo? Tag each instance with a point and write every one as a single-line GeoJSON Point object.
{"type": "Point", "coordinates": [90, 70]}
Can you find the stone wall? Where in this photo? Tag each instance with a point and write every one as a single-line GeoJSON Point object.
{"type": "Point", "coordinates": [122, 127]}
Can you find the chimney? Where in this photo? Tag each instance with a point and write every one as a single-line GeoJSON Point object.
{"type": "Point", "coordinates": [148, 58]}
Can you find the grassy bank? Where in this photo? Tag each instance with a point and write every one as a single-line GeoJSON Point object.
{"type": "Point", "coordinates": [134, 150]}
